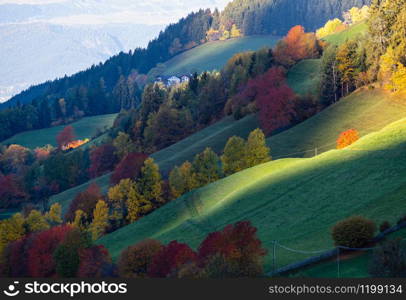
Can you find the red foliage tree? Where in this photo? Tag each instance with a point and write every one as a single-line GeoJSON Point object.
{"type": "Point", "coordinates": [102, 160]}
{"type": "Point", "coordinates": [347, 138]}
{"type": "Point", "coordinates": [11, 192]}
{"type": "Point", "coordinates": [66, 136]}
{"type": "Point", "coordinates": [85, 201]}
{"type": "Point", "coordinates": [129, 167]}
{"type": "Point", "coordinates": [274, 99]}
{"type": "Point", "coordinates": [41, 263]}
{"type": "Point", "coordinates": [238, 244]}
{"type": "Point", "coordinates": [95, 262]}
{"type": "Point", "coordinates": [16, 259]}
{"type": "Point", "coordinates": [169, 260]}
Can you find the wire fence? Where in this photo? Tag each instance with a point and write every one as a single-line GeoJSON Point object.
{"type": "Point", "coordinates": [317, 150]}
{"type": "Point", "coordinates": [324, 254]}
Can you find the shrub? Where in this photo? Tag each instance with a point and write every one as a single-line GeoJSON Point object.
{"type": "Point", "coordinates": [135, 260]}
{"type": "Point", "coordinates": [354, 232]}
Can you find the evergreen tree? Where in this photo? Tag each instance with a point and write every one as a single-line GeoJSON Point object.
{"type": "Point", "coordinates": [330, 76]}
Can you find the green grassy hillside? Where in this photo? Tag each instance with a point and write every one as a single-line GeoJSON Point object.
{"type": "Point", "coordinates": [366, 111]}
{"type": "Point", "coordinates": [212, 55]}
{"type": "Point", "coordinates": [304, 77]}
{"type": "Point", "coordinates": [214, 136]}
{"type": "Point", "coordinates": [294, 201]}
{"type": "Point", "coordinates": [349, 34]}
{"type": "Point", "coordinates": [354, 266]}
{"type": "Point", "coordinates": [84, 128]}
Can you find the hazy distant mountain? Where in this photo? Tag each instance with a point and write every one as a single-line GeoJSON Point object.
{"type": "Point", "coordinates": [62, 37]}
{"type": "Point", "coordinates": [57, 50]}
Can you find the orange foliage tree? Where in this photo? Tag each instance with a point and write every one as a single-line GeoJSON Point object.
{"type": "Point", "coordinates": [347, 138]}
{"type": "Point", "coordinates": [297, 45]}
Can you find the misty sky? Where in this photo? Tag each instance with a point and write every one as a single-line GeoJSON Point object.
{"type": "Point", "coordinates": [111, 11]}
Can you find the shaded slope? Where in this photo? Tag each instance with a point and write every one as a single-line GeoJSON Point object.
{"type": "Point", "coordinates": [295, 202]}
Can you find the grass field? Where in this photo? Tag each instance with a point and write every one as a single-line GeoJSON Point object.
{"type": "Point", "coordinates": [366, 111]}
{"type": "Point", "coordinates": [304, 77]}
{"type": "Point", "coordinates": [212, 55]}
{"type": "Point", "coordinates": [349, 34]}
{"type": "Point", "coordinates": [353, 267]}
{"type": "Point", "coordinates": [293, 201]}
{"type": "Point", "coordinates": [84, 128]}
{"type": "Point", "coordinates": [214, 136]}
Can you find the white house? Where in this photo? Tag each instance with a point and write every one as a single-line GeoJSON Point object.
{"type": "Point", "coordinates": [174, 80]}
{"type": "Point", "coordinates": [185, 78]}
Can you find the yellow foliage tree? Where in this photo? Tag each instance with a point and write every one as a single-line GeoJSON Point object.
{"type": "Point", "coordinates": [225, 36]}
{"type": "Point", "coordinates": [358, 15]}
{"type": "Point", "coordinates": [11, 230]}
{"type": "Point", "coordinates": [100, 220]}
{"type": "Point", "coordinates": [235, 32]}
{"type": "Point", "coordinates": [330, 28]}
{"type": "Point", "coordinates": [54, 216]}
{"type": "Point", "coordinates": [80, 220]}
{"type": "Point", "coordinates": [399, 79]}
{"type": "Point", "coordinates": [36, 221]}
{"type": "Point", "coordinates": [137, 205]}
{"type": "Point", "coordinates": [182, 180]}
{"type": "Point", "coordinates": [392, 73]}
